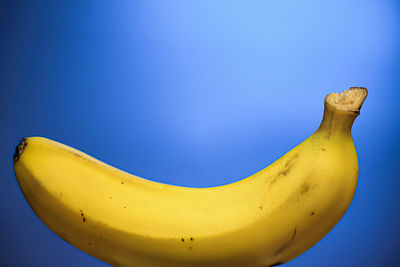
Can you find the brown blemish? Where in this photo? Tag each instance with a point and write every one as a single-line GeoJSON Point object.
{"type": "Point", "coordinates": [78, 155]}
{"type": "Point", "coordinates": [288, 165]}
{"type": "Point", "coordinates": [294, 234]}
{"type": "Point", "coordinates": [272, 181]}
{"type": "Point", "coordinates": [83, 216]}
{"type": "Point", "coordinates": [302, 191]}
{"type": "Point", "coordinates": [110, 198]}
{"type": "Point", "coordinates": [124, 207]}
{"type": "Point", "coordinates": [312, 213]}
{"type": "Point", "coordinates": [261, 206]}
{"type": "Point", "coordinates": [328, 135]}
{"type": "Point", "coordinates": [286, 245]}
{"type": "Point", "coordinates": [191, 239]}
{"type": "Point", "coordinates": [284, 172]}
{"type": "Point", "coordinates": [122, 182]}
{"type": "Point", "coordinates": [304, 188]}
{"type": "Point", "coordinates": [294, 157]}
{"type": "Point", "coordinates": [281, 249]}
{"type": "Point", "coordinates": [190, 247]}
{"type": "Point", "coordinates": [20, 149]}
{"type": "Point", "coordinates": [89, 244]}
{"type": "Point", "coordinates": [323, 149]}
{"type": "Point", "coordinates": [183, 240]}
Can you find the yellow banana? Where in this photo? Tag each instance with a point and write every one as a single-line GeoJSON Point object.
{"type": "Point", "coordinates": [266, 219]}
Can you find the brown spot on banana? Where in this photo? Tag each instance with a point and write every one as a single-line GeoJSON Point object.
{"type": "Point", "coordinates": [304, 188]}
{"type": "Point", "coordinates": [284, 247]}
{"type": "Point", "coordinates": [287, 167]}
{"type": "Point", "coordinates": [287, 244]}
{"type": "Point", "coordinates": [20, 149]}
{"type": "Point", "coordinates": [294, 157]}
{"type": "Point", "coordinates": [294, 234]}
{"type": "Point", "coordinates": [83, 216]}
{"type": "Point", "coordinates": [284, 172]}
{"type": "Point", "coordinates": [328, 135]}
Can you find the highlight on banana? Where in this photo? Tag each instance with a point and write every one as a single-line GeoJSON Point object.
{"type": "Point", "coordinates": [266, 219]}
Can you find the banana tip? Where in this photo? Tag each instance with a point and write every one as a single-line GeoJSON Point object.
{"type": "Point", "coordinates": [20, 149]}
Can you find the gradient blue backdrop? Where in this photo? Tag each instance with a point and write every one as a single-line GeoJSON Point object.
{"type": "Point", "coordinates": [200, 93]}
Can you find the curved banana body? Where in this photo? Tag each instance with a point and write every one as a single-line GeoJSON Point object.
{"type": "Point", "coordinates": [265, 219]}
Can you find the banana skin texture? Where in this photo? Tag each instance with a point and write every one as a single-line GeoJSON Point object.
{"type": "Point", "coordinates": [266, 219]}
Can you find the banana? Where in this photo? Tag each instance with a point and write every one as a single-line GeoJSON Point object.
{"type": "Point", "coordinates": [266, 219]}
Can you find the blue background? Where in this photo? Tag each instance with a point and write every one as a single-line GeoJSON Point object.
{"type": "Point", "coordinates": [200, 93]}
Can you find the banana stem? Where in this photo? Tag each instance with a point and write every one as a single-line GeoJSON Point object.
{"type": "Point", "coordinates": [341, 110]}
